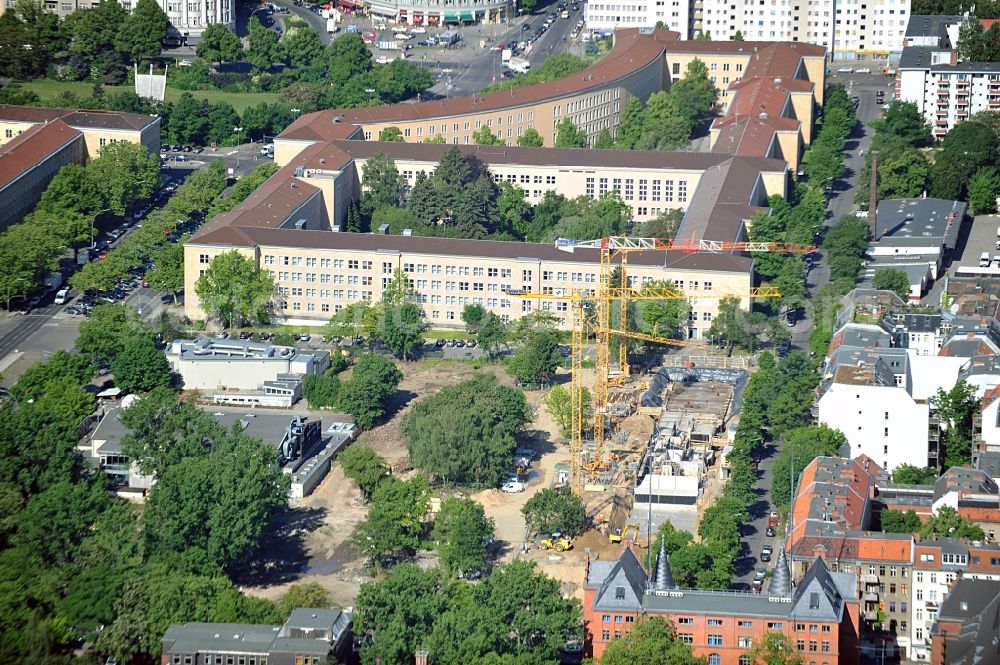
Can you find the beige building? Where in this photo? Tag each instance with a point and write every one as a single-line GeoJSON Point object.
{"type": "Point", "coordinates": [99, 128]}
{"type": "Point", "coordinates": [286, 228]}
{"type": "Point", "coordinates": [30, 161]}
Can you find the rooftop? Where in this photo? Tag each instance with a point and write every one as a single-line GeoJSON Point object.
{"type": "Point", "coordinates": [925, 219]}
{"type": "Point", "coordinates": [922, 25]}
{"type": "Point", "coordinates": [87, 119]}
{"type": "Point", "coordinates": [31, 147]}
{"type": "Point", "coordinates": [975, 606]}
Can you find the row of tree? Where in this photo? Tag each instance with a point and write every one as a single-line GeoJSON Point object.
{"type": "Point", "coordinates": [66, 213]}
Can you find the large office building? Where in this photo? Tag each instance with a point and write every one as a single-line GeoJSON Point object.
{"type": "Point", "coordinates": [186, 16]}
{"type": "Point", "coordinates": [291, 225]}
{"type": "Point", "coordinates": [436, 12]}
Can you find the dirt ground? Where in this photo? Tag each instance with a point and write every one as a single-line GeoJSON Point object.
{"type": "Point", "coordinates": [312, 546]}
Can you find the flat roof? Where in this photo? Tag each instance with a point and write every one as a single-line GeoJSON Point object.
{"type": "Point", "coordinates": [923, 219]}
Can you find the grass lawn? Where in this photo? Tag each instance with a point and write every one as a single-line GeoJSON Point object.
{"type": "Point", "coordinates": [48, 90]}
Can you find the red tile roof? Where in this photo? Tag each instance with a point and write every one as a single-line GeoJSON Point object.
{"type": "Point", "coordinates": [32, 146]}
{"type": "Point", "coordinates": [88, 119]}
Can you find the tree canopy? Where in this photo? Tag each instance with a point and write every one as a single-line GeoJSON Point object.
{"type": "Point", "coordinates": [555, 510]}
{"type": "Point", "coordinates": [235, 290]}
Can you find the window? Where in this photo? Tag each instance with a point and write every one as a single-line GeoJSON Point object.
{"type": "Point", "coordinates": [714, 640]}
{"type": "Point", "coordinates": [715, 622]}
{"type": "Point", "coordinates": [203, 258]}
{"type": "Point", "coordinates": [745, 624]}
{"type": "Point", "coordinates": [686, 638]}
{"type": "Point", "coordinates": [685, 620]}
{"type": "Point", "coordinates": [745, 642]}
{"type": "Point", "coordinates": [714, 659]}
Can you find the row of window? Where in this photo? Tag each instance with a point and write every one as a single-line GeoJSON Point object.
{"type": "Point", "coordinates": [651, 190]}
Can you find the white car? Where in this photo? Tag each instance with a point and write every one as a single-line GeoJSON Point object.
{"type": "Point", "coordinates": [418, 30]}
{"type": "Point", "coordinates": [512, 486]}
{"type": "Point", "coordinates": [864, 70]}
{"type": "Point", "coordinates": [383, 60]}
{"type": "Point", "coordinates": [402, 36]}
{"type": "Point", "coordinates": [845, 70]}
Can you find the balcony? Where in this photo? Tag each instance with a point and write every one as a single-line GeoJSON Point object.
{"type": "Point", "coordinates": [870, 596]}
{"type": "Point", "coordinates": [871, 615]}
{"type": "Point", "coordinates": [869, 579]}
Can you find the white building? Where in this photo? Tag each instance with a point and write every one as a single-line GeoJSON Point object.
{"type": "Point", "coordinates": [243, 372]}
{"type": "Point", "coordinates": [862, 29]}
{"type": "Point", "coordinates": [189, 17]}
{"type": "Point", "coordinates": [608, 15]}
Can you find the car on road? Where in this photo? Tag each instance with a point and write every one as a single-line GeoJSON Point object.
{"type": "Point", "coordinates": [792, 317]}
{"type": "Point", "coordinates": [418, 30]}
{"type": "Point", "coordinates": [526, 27]}
{"type": "Point", "coordinates": [765, 553]}
{"type": "Point", "coordinates": [784, 348]}
{"type": "Point", "coordinates": [770, 532]}
{"type": "Point", "coordinates": [846, 70]}
{"type": "Point", "coordinates": [180, 158]}
{"type": "Point", "coordinates": [864, 70]}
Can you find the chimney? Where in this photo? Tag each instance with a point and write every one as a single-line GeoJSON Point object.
{"type": "Point", "coordinates": [873, 196]}
{"type": "Point", "coordinates": [420, 658]}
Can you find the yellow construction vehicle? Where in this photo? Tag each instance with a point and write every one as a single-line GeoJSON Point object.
{"type": "Point", "coordinates": [557, 542]}
{"type": "Point", "coordinates": [618, 535]}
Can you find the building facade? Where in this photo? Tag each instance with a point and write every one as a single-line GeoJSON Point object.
{"type": "Point", "coordinates": [436, 12]}
{"type": "Point", "coordinates": [968, 624]}
{"type": "Point", "coordinates": [819, 615]}
{"type": "Point", "coordinates": [186, 16]}
{"type": "Point", "coordinates": [604, 16]}
{"type": "Point", "coordinates": [99, 128]}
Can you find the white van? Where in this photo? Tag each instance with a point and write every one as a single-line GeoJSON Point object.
{"type": "Point", "coordinates": [984, 260]}
{"type": "Point", "coordinates": [62, 295]}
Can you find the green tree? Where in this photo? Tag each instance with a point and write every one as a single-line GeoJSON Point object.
{"type": "Point", "coordinates": [462, 533]}
{"type": "Point", "coordinates": [365, 467]}
{"type": "Point", "coordinates": [306, 594]}
{"type": "Point", "coordinates": [33, 383]}
{"type": "Point", "coordinates": [695, 92]}
{"type": "Point", "coordinates": [395, 519]}
{"type": "Point", "coordinates": [347, 56]}
{"type": "Point", "coordinates": [653, 641]}
{"type": "Point", "coordinates": [568, 135]}
{"type": "Point", "coordinates": [663, 225]}
{"type": "Point", "coordinates": [142, 31]}
{"type": "Point", "coordinates": [235, 290]}
{"type": "Point", "coordinates": [355, 320]}
{"type": "Point", "coordinates": [380, 182]}
{"type": "Point", "coordinates": [125, 172]}
{"type": "Point", "coordinates": [907, 474]}
{"type": "Point", "coordinates": [530, 139]}
{"type": "Point", "coordinates": [400, 328]}
{"type": "Point", "coordinates": [466, 433]}
{"type": "Point", "coordinates": [473, 316]}
{"type": "Point", "coordinates": [321, 390]}
{"type": "Point", "coordinates": [303, 47]}
{"type": "Point", "coordinates": [662, 318]}
{"type": "Point", "coordinates": [800, 447]}
{"type": "Point", "coordinates": [555, 511]}
{"type": "Point", "coordinates": [491, 335]}
{"type": "Point", "coordinates": [220, 501]}
{"type": "Point", "coordinates": [485, 136]}
{"type": "Point", "coordinates": [537, 360]}
{"type": "Point", "coordinates": [391, 134]}
{"type": "Point", "coordinates": [903, 176]}
{"type": "Point", "coordinates": [666, 123]}
{"type": "Point", "coordinates": [521, 330]}
{"type": "Point", "coordinates": [141, 366]}
{"type": "Point", "coordinates": [899, 521]}
{"type": "Point", "coordinates": [54, 522]}
{"type": "Point", "coordinates": [983, 190]}
{"type": "Point", "coordinates": [774, 648]}
{"type": "Point", "coordinates": [94, 30]}
{"type": "Point", "coordinates": [904, 120]}
{"type": "Point", "coordinates": [366, 395]}
{"type": "Point", "coordinates": [947, 522]}
{"type": "Point", "coordinates": [264, 48]}
{"type": "Point", "coordinates": [559, 405]}
{"type": "Point", "coordinates": [219, 44]}
{"type": "Point", "coordinates": [604, 140]}
{"type": "Point", "coordinates": [167, 273]}
{"type": "Point", "coordinates": [104, 335]}
{"type": "Point", "coordinates": [956, 407]}
{"type": "Point", "coordinates": [514, 211]}
{"type": "Point", "coordinates": [892, 279]}
{"type": "Point", "coordinates": [631, 124]}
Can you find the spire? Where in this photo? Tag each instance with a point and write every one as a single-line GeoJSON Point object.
{"type": "Point", "coordinates": [664, 580]}
{"type": "Point", "coordinates": [781, 582]}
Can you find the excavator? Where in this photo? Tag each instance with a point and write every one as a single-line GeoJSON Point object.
{"type": "Point", "coordinates": [618, 535]}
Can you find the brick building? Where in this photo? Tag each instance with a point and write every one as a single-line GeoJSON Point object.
{"type": "Point", "coordinates": [819, 615]}
{"type": "Point", "coordinates": [968, 625]}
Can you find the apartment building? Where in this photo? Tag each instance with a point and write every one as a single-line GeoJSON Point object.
{"type": "Point", "coordinates": [879, 375]}
{"type": "Point", "coordinates": [849, 30]}
{"type": "Point", "coordinates": [819, 616]}
{"type": "Point", "coordinates": [937, 565]}
{"type": "Point", "coordinates": [99, 128]}
{"type": "Point", "coordinates": [436, 12]}
{"type": "Point", "coordinates": [968, 624]}
{"type": "Point", "coordinates": [186, 16]}
{"type": "Point", "coordinates": [641, 63]}
{"type": "Point", "coordinates": [606, 16]}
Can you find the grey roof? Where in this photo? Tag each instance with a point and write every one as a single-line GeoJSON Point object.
{"type": "Point", "coordinates": [192, 638]}
{"type": "Point", "coordinates": [727, 194]}
{"type": "Point", "coordinates": [664, 580]}
{"type": "Point", "coordinates": [781, 582]}
{"type": "Point", "coordinates": [921, 25]}
{"type": "Point", "coordinates": [989, 462]}
{"type": "Point", "coordinates": [967, 68]}
{"type": "Point", "coordinates": [623, 588]}
{"type": "Point", "coordinates": [917, 57]}
{"type": "Point", "coordinates": [228, 350]}
{"type": "Point", "coordinates": [300, 645]}
{"type": "Point", "coordinates": [732, 603]}
{"type": "Point", "coordinates": [918, 220]}
{"type": "Point", "coordinates": [920, 322]}
{"type": "Point", "coordinates": [818, 595]}
{"type": "Point", "coordinates": [960, 479]}
{"type": "Point", "coordinates": [312, 618]}
{"type": "Point", "coordinates": [975, 606]}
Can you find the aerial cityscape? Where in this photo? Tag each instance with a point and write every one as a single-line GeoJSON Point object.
{"type": "Point", "coordinates": [496, 332]}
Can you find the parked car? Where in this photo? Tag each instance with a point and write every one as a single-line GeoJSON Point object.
{"type": "Point", "coordinates": [222, 335]}
{"type": "Point", "coordinates": [845, 70]}
{"type": "Point", "coordinates": [180, 158]}
{"type": "Point", "coordinates": [864, 70]}
{"type": "Point", "coordinates": [439, 343]}
{"type": "Point", "coordinates": [512, 486]}
{"type": "Point", "coordinates": [765, 553]}
{"type": "Point", "coordinates": [770, 533]}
